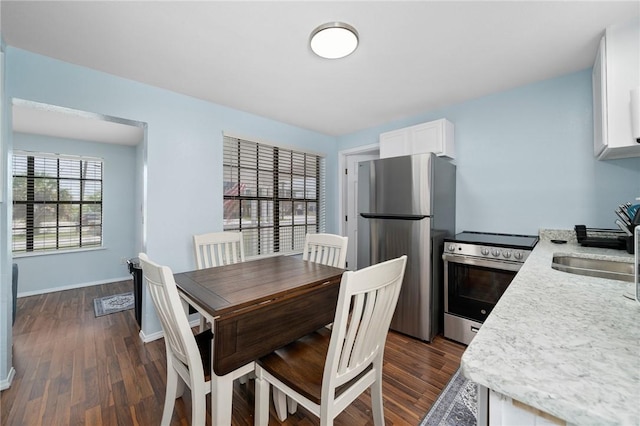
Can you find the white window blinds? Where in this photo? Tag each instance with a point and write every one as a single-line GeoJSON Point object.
{"type": "Point", "coordinates": [57, 202]}
{"type": "Point", "coordinates": [275, 196]}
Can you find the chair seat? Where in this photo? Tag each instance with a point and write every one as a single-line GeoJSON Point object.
{"type": "Point", "coordinates": [301, 364]}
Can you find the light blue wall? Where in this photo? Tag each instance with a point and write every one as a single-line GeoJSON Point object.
{"type": "Point", "coordinates": [58, 270]}
{"type": "Point", "coordinates": [525, 159]}
{"type": "Point", "coordinates": [183, 151]}
{"type": "Point", "coordinates": [524, 156]}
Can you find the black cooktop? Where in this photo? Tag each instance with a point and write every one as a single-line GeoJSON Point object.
{"type": "Point", "coordinates": [497, 240]}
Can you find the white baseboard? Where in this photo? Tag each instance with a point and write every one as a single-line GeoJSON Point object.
{"type": "Point", "coordinates": [6, 383]}
{"type": "Point", "coordinates": [146, 338]}
{"type": "Point", "coordinates": [72, 286]}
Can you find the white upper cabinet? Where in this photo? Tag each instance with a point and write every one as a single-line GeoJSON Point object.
{"type": "Point", "coordinates": [615, 76]}
{"type": "Point", "coordinates": [434, 136]}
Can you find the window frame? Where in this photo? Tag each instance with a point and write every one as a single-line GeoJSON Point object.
{"type": "Point", "coordinates": [90, 233]}
{"type": "Point", "coordinates": [257, 234]}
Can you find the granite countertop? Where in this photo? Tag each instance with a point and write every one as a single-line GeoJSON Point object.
{"type": "Point", "coordinates": [566, 344]}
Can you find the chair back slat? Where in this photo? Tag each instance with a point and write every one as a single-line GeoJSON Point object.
{"type": "Point", "coordinates": [366, 303]}
{"type": "Point", "coordinates": [218, 248]}
{"type": "Point", "coordinates": [175, 324]}
{"type": "Point", "coordinates": [327, 249]}
{"type": "Point", "coordinates": [367, 339]}
{"type": "Point", "coordinates": [350, 336]}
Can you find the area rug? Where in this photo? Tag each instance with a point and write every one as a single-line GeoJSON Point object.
{"type": "Point", "coordinates": [111, 304]}
{"type": "Point", "coordinates": [456, 405]}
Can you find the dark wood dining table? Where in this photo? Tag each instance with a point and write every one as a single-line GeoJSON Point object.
{"type": "Point", "coordinates": [257, 307]}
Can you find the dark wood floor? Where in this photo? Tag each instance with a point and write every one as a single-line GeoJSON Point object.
{"type": "Point", "coordinates": [75, 369]}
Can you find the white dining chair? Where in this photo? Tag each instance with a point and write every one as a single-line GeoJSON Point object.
{"type": "Point", "coordinates": [188, 356]}
{"type": "Point", "coordinates": [328, 249]}
{"type": "Point", "coordinates": [327, 370]}
{"type": "Point", "coordinates": [217, 249]}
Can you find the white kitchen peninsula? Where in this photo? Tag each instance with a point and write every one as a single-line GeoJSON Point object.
{"type": "Point", "coordinates": [568, 345]}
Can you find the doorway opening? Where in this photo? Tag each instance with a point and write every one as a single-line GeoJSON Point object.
{"type": "Point", "coordinates": [120, 146]}
{"type": "Point", "coordinates": [348, 195]}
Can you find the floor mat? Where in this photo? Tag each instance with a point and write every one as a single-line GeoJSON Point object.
{"type": "Point", "coordinates": [111, 304]}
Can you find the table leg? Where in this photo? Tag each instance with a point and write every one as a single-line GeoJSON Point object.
{"type": "Point", "coordinates": [221, 399]}
{"type": "Point", "coordinates": [221, 395]}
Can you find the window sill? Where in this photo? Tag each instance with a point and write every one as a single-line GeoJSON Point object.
{"type": "Point", "coordinates": [55, 252]}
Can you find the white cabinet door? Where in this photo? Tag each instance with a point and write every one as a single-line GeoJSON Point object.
{"type": "Point", "coordinates": [618, 69]}
{"type": "Point", "coordinates": [504, 411]}
{"type": "Point", "coordinates": [435, 136]}
{"type": "Point", "coordinates": [394, 144]}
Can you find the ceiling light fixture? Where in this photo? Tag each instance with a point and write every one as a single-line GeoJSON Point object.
{"type": "Point", "coordinates": [334, 40]}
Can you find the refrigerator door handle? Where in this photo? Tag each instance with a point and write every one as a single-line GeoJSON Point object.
{"type": "Point", "coordinates": [394, 216]}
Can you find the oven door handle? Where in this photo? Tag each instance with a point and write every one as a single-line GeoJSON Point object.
{"type": "Point", "coordinates": [487, 263]}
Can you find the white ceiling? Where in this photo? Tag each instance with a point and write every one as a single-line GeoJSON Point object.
{"type": "Point", "coordinates": [254, 56]}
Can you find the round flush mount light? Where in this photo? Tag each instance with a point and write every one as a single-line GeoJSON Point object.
{"type": "Point", "coordinates": [334, 40]}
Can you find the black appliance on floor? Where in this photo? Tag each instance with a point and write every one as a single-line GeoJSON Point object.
{"type": "Point", "coordinates": [136, 271]}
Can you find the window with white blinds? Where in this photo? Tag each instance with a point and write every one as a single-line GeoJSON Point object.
{"type": "Point", "coordinates": [57, 202]}
{"type": "Point", "coordinates": [275, 196]}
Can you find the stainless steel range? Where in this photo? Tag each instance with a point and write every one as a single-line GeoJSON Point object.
{"type": "Point", "coordinates": [478, 268]}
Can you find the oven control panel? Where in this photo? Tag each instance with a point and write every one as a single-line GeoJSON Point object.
{"type": "Point", "coordinates": [489, 252]}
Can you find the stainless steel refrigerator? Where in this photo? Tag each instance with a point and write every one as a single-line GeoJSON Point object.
{"type": "Point", "coordinates": [406, 205]}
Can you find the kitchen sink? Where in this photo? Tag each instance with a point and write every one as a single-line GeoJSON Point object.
{"type": "Point", "coordinates": [600, 268]}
